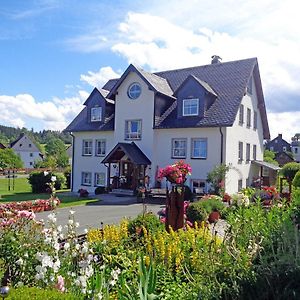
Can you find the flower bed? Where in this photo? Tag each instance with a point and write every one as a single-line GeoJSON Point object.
{"type": "Point", "coordinates": [37, 205]}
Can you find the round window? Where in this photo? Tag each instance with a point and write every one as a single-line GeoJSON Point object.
{"type": "Point", "coordinates": [134, 90]}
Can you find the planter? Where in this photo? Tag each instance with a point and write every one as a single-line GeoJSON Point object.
{"type": "Point", "coordinates": [214, 217]}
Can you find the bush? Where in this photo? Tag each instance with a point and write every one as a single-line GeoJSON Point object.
{"type": "Point", "coordinates": [211, 203]}
{"type": "Point", "coordinates": [68, 178]}
{"type": "Point", "coordinates": [289, 170]}
{"type": "Point", "coordinates": [100, 190]}
{"type": "Point", "coordinates": [296, 180]}
{"type": "Point", "coordinates": [148, 220]}
{"type": "Point", "coordinates": [39, 181]}
{"type": "Point", "coordinates": [83, 193]}
{"type": "Point", "coordinates": [196, 213]}
{"type": "Point", "coordinates": [188, 194]}
{"type": "Point", "coordinates": [29, 293]}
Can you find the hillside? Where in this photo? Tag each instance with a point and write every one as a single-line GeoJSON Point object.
{"type": "Point", "coordinates": [9, 134]}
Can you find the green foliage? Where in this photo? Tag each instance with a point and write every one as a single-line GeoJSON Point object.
{"type": "Point", "coordinates": [216, 177]}
{"type": "Point", "coordinates": [9, 159]}
{"type": "Point", "coordinates": [269, 156]}
{"type": "Point", "coordinates": [30, 293]}
{"type": "Point", "coordinates": [188, 194]}
{"type": "Point", "coordinates": [39, 181]}
{"type": "Point", "coordinates": [196, 213]}
{"type": "Point", "coordinates": [289, 170]}
{"type": "Point", "coordinates": [100, 190]}
{"type": "Point", "coordinates": [296, 180]}
{"type": "Point", "coordinates": [148, 220]}
{"type": "Point", "coordinates": [67, 174]}
{"type": "Point", "coordinates": [56, 148]}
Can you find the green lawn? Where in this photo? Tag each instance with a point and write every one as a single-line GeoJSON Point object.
{"type": "Point", "coordinates": [22, 192]}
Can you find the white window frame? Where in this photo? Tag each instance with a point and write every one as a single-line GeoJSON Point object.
{"type": "Point", "coordinates": [188, 105]}
{"type": "Point", "coordinates": [102, 148]}
{"type": "Point", "coordinates": [240, 184]}
{"type": "Point", "coordinates": [87, 147]}
{"type": "Point", "coordinates": [96, 114]}
{"type": "Point", "coordinates": [196, 186]}
{"type": "Point", "coordinates": [96, 179]}
{"type": "Point", "coordinates": [86, 178]}
{"type": "Point", "coordinates": [134, 91]}
{"type": "Point", "coordinates": [181, 147]}
{"type": "Point", "coordinates": [248, 150]}
{"type": "Point", "coordinates": [131, 135]}
{"type": "Point", "coordinates": [241, 114]}
{"type": "Point", "coordinates": [193, 148]}
{"type": "Point", "coordinates": [248, 117]}
{"type": "Point", "coordinates": [241, 152]}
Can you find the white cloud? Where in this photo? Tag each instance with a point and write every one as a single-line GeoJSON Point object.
{"type": "Point", "coordinates": [21, 110]}
{"type": "Point", "coordinates": [98, 79]}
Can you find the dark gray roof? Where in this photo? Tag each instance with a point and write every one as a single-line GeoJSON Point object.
{"type": "Point", "coordinates": [80, 123]}
{"type": "Point", "coordinates": [135, 154]}
{"type": "Point", "coordinates": [266, 165]}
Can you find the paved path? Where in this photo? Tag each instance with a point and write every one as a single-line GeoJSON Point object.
{"type": "Point", "coordinates": [110, 210]}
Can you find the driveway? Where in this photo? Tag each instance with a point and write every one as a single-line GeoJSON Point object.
{"type": "Point", "coordinates": [109, 211]}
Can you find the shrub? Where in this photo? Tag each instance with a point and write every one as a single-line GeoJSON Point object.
{"type": "Point", "coordinates": [211, 203]}
{"type": "Point", "coordinates": [196, 213]}
{"type": "Point", "coordinates": [188, 194]}
{"type": "Point", "coordinates": [289, 170]}
{"type": "Point", "coordinates": [39, 181]}
{"type": "Point", "coordinates": [100, 190]}
{"type": "Point", "coordinates": [67, 174]}
{"type": "Point", "coordinates": [216, 177]}
{"type": "Point", "coordinates": [83, 193]}
{"type": "Point", "coordinates": [296, 180]}
{"type": "Point", "coordinates": [148, 220]}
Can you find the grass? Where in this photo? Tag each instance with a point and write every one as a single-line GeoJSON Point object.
{"type": "Point", "coordinates": [22, 192]}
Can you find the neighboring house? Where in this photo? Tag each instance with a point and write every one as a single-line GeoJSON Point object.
{"type": "Point", "coordinates": [278, 145]}
{"type": "Point", "coordinates": [295, 145]}
{"type": "Point", "coordinates": [2, 146]}
{"type": "Point", "coordinates": [69, 151]}
{"type": "Point", "coordinates": [143, 121]}
{"type": "Point", "coordinates": [283, 158]}
{"type": "Point", "coordinates": [27, 150]}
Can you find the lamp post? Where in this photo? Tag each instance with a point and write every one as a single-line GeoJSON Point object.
{"type": "Point", "coordinates": [4, 289]}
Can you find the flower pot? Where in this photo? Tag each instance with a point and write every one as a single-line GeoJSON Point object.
{"type": "Point", "coordinates": [214, 217]}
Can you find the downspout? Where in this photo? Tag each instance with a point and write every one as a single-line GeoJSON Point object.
{"type": "Point", "coordinates": [222, 141]}
{"type": "Point", "coordinates": [73, 162]}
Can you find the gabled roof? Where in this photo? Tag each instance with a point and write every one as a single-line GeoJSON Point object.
{"type": "Point", "coordinates": [204, 84]}
{"type": "Point", "coordinates": [134, 153]}
{"type": "Point", "coordinates": [102, 93]}
{"type": "Point", "coordinates": [15, 141]}
{"type": "Point", "coordinates": [157, 83]}
{"type": "Point", "coordinates": [2, 146]}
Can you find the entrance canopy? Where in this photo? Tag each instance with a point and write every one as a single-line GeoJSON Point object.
{"type": "Point", "coordinates": [266, 165]}
{"type": "Point", "coordinates": [130, 150]}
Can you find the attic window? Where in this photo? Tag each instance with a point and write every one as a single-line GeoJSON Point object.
{"type": "Point", "coordinates": [134, 90]}
{"type": "Point", "coordinates": [190, 107]}
{"type": "Point", "coordinates": [96, 114]}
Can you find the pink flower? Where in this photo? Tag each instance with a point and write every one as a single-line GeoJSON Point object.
{"type": "Point", "coordinates": [60, 283]}
{"type": "Point", "coordinates": [26, 214]}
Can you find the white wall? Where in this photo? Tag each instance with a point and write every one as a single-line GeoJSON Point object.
{"type": "Point", "coordinates": [238, 133]}
{"type": "Point", "coordinates": [140, 108]}
{"type": "Point", "coordinates": [89, 163]}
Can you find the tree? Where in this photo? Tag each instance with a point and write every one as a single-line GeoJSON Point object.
{"type": "Point", "coordinates": [216, 177]}
{"type": "Point", "coordinates": [56, 149]}
{"type": "Point", "coordinates": [9, 159]}
{"type": "Point", "coordinates": [289, 170]}
{"type": "Point", "coordinates": [269, 156]}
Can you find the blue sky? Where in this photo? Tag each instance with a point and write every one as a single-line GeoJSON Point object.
{"type": "Point", "coordinates": [53, 52]}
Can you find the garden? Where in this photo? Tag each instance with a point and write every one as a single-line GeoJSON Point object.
{"type": "Point", "coordinates": [256, 257]}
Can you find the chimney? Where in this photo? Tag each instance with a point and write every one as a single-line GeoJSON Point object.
{"type": "Point", "coordinates": [280, 135]}
{"type": "Point", "coordinates": [216, 59]}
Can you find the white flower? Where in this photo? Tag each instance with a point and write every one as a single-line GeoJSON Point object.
{"type": "Point", "coordinates": [52, 218]}
{"type": "Point", "coordinates": [46, 173]}
{"type": "Point", "coordinates": [112, 282]}
{"type": "Point", "coordinates": [56, 266]}
{"type": "Point", "coordinates": [71, 222]}
{"type": "Point", "coordinates": [72, 212]}
{"type": "Point", "coordinates": [59, 228]}
{"type": "Point", "coordinates": [20, 261]}
{"type": "Point", "coordinates": [99, 296]}
{"type": "Point", "coordinates": [53, 178]}
{"type": "Point", "coordinates": [77, 224]}
{"type": "Point", "coordinates": [85, 230]}
{"type": "Point", "coordinates": [66, 246]}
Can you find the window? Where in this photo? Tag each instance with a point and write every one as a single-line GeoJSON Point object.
{"type": "Point", "coordinates": [96, 114]}
{"type": "Point", "coordinates": [31, 154]}
{"type": "Point", "coordinates": [133, 130]}
{"type": "Point", "coordinates": [254, 152]}
{"type": "Point", "coordinates": [296, 150]}
{"type": "Point", "coordinates": [134, 91]}
{"type": "Point", "coordinates": [87, 146]}
{"type": "Point", "coordinates": [240, 184]}
{"type": "Point", "coordinates": [179, 148]}
{"type": "Point", "coordinates": [249, 86]}
{"type": "Point", "coordinates": [199, 148]}
{"type": "Point", "coordinates": [247, 153]}
{"type": "Point", "coordinates": [190, 107]}
{"type": "Point", "coordinates": [29, 145]}
{"type": "Point", "coordinates": [86, 178]}
{"type": "Point", "coordinates": [100, 179]}
{"type": "Point", "coordinates": [271, 148]}
{"type": "Point", "coordinates": [255, 120]}
{"type": "Point", "coordinates": [21, 145]}
{"type": "Point", "coordinates": [284, 148]}
{"type": "Point", "coordinates": [248, 117]}
{"type": "Point", "coordinates": [240, 152]}
{"type": "Point", "coordinates": [241, 114]}
{"type": "Point", "coordinates": [100, 147]}
{"type": "Point", "coordinates": [30, 163]}
{"type": "Point", "coordinates": [198, 186]}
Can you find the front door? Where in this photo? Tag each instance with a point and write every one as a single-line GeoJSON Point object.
{"type": "Point", "coordinates": [131, 175]}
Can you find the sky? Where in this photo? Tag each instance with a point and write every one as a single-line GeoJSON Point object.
{"type": "Point", "coordinates": [54, 52]}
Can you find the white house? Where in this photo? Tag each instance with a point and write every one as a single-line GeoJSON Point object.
{"type": "Point", "coordinates": [143, 121]}
{"type": "Point", "coordinates": [27, 150]}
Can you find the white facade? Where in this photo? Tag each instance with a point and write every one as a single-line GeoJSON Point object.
{"type": "Point", "coordinates": [27, 150]}
{"type": "Point", "coordinates": [156, 144]}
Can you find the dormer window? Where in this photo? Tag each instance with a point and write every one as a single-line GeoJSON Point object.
{"type": "Point", "coordinates": [96, 114]}
{"type": "Point", "coordinates": [190, 107]}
